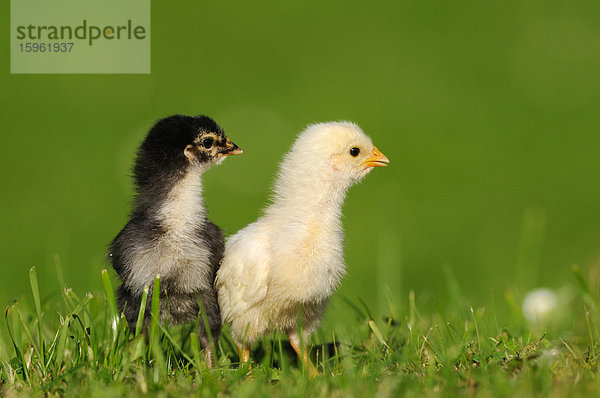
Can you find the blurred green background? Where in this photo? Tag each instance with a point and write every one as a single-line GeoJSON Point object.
{"type": "Point", "coordinates": [489, 112]}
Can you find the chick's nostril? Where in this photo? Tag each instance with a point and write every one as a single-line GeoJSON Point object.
{"type": "Point", "coordinates": [377, 159]}
{"type": "Point", "coordinates": [231, 149]}
{"type": "Point", "coordinates": [236, 150]}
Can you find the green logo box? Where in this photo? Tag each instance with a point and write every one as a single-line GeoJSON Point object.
{"type": "Point", "coordinates": [80, 36]}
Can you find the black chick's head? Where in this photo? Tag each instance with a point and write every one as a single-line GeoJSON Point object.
{"type": "Point", "coordinates": [177, 143]}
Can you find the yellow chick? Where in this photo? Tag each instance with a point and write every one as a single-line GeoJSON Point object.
{"type": "Point", "coordinates": [291, 260]}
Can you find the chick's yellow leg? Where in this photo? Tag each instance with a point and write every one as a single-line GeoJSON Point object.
{"type": "Point", "coordinates": [302, 353]}
{"type": "Point", "coordinates": [244, 353]}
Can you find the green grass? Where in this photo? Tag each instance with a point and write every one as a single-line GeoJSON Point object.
{"type": "Point", "coordinates": [75, 345]}
{"type": "Point", "coordinates": [487, 110]}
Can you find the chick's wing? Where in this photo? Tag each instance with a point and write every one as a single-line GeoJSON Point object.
{"type": "Point", "coordinates": [243, 278]}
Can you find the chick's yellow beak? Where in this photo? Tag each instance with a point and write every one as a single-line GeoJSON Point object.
{"type": "Point", "coordinates": [231, 149]}
{"type": "Point", "coordinates": [377, 159]}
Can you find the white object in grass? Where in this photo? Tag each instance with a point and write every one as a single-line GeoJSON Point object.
{"type": "Point", "coordinates": [539, 305]}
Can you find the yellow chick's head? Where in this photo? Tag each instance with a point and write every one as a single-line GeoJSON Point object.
{"type": "Point", "coordinates": [336, 151]}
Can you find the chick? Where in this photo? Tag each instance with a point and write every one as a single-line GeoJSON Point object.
{"type": "Point", "coordinates": [168, 232]}
{"type": "Point", "coordinates": [290, 261]}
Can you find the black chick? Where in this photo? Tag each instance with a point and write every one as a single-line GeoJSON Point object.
{"type": "Point", "coordinates": [168, 232]}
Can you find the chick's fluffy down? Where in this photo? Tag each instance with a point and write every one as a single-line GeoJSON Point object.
{"type": "Point", "coordinates": [267, 279]}
{"type": "Point", "coordinates": [290, 260]}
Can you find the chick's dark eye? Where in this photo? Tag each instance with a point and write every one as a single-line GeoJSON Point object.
{"type": "Point", "coordinates": [354, 151]}
{"type": "Point", "coordinates": [208, 142]}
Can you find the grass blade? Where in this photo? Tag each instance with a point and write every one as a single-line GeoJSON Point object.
{"type": "Point", "coordinates": [112, 302]}
{"type": "Point", "coordinates": [378, 334]}
{"type": "Point", "coordinates": [155, 307]}
{"type": "Point", "coordinates": [155, 319]}
{"type": "Point", "coordinates": [15, 335]}
{"type": "Point", "coordinates": [209, 335]}
{"type": "Point", "coordinates": [59, 272]}
{"type": "Point", "coordinates": [194, 344]}
{"type": "Point", "coordinates": [61, 343]}
{"type": "Point", "coordinates": [142, 312]}
{"type": "Point", "coordinates": [476, 329]}
{"type": "Point", "coordinates": [38, 310]}
{"type": "Point", "coordinates": [35, 347]}
{"type": "Point", "coordinates": [175, 345]}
